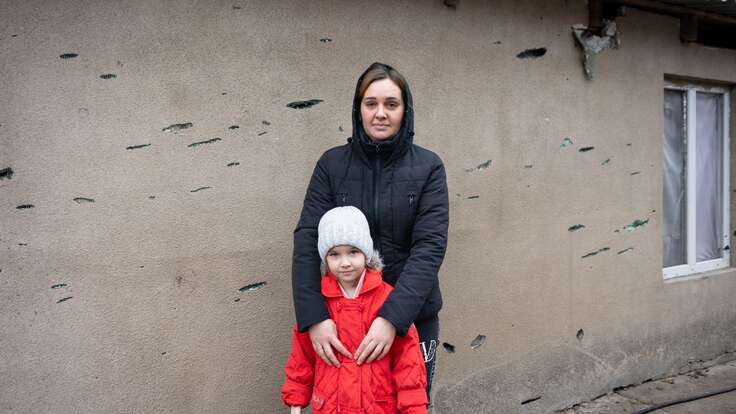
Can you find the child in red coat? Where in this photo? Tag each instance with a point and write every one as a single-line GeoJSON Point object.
{"type": "Point", "coordinates": [354, 292]}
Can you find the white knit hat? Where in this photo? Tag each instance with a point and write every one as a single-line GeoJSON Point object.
{"type": "Point", "coordinates": [346, 226]}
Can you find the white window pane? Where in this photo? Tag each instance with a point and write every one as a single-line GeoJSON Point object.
{"type": "Point", "coordinates": [674, 216]}
{"type": "Point", "coordinates": [709, 177]}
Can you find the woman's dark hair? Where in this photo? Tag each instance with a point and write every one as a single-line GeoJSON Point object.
{"type": "Point", "coordinates": [378, 71]}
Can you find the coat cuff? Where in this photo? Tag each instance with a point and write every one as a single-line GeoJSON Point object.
{"type": "Point", "coordinates": [413, 401]}
{"type": "Point", "coordinates": [296, 394]}
{"type": "Point", "coordinates": [401, 329]}
{"type": "Point", "coordinates": [304, 325]}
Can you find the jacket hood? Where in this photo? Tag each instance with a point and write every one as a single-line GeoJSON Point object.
{"type": "Point", "coordinates": [394, 146]}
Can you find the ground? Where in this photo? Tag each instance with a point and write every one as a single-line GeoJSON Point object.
{"type": "Point", "coordinates": [632, 399]}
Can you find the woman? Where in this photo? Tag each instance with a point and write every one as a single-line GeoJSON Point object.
{"type": "Point", "coordinates": [402, 190]}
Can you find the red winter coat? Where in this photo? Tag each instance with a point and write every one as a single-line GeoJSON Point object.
{"type": "Point", "coordinates": [394, 384]}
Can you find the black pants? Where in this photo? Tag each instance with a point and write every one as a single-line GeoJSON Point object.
{"type": "Point", "coordinates": [429, 332]}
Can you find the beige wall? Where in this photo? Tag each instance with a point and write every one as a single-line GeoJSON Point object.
{"type": "Point", "coordinates": [156, 322]}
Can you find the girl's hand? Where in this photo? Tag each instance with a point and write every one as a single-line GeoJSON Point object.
{"type": "Point", "coordinates": [377, 341]}
{"type": "Point", "coordinates": [324, 337]}
{"type": "Point", "coordinates": [296, 410]}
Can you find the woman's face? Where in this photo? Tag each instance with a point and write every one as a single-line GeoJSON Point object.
{"type": "Point", "coordinates": [382, 110]}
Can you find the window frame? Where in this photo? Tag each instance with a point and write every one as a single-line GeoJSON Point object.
{"type": "Point", "coordinates": [693, 266]}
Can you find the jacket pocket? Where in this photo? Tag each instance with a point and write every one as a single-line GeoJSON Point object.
{"type": "Point", "coordinates": [349, 194]}
{"type": "Point", "coordinates": [405, 203]}
{"type": "Point", "coordinates": [385, 404]}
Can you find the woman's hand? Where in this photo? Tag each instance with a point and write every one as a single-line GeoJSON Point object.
{"type": "Point", "coordinates": [296, 410]}
{"type": "Point", "coordinates": [377, 341]}
{"type": "Point", "coordinates": [324, 336]}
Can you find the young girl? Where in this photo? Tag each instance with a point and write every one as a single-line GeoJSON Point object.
{"type": "Point", "coordinates": [354, 292]}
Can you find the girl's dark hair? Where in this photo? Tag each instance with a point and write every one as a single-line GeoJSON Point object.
{"type": "Point", "coordinates": [378, 71]}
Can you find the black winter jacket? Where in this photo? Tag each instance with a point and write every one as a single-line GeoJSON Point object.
{"type": "Point", "coordinates": [402, 190]}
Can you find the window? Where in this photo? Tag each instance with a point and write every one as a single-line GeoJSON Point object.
{"type": "Point", "coordinates": [695, 168]}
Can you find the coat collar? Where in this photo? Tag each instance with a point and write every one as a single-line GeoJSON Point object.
{"type": "Point", "coordinates": [331, 289]}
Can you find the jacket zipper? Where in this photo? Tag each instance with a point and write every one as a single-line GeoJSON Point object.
{"type": "Point", "coordinates": [412, 195]}
{"type": "Point", "coordinates": [376, 179]}
{"type": "Point", "coordinates": [343, 198]}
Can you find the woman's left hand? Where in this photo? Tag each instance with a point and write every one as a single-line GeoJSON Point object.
{"type": "Point", "coordinates": [377, 341]}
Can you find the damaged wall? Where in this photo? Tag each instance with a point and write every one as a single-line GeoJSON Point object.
{"type": "Point", "coordinates": [154, 157]}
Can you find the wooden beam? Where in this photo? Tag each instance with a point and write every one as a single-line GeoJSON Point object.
{"type": "Point", "coordinates": [688, 28]}
{"type": "Point", "coordinates": [595, 16]}
{"type": "Point", "coordinates": [659, 7]}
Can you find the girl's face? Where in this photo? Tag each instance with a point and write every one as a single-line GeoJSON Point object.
{"type": "Point", "coordinates": [382, 110]}
{"type": "Point", "coordinates": [346, 263]}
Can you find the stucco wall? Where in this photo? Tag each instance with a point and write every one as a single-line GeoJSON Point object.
{"type": "Point", "coordinates": [152, 268]}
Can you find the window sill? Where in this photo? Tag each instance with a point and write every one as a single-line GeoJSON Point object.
{"type": "Point", "coordinates": [728, 271]}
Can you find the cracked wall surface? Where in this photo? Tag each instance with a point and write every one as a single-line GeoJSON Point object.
{"type": "Point", "coordinates": [154, 158]}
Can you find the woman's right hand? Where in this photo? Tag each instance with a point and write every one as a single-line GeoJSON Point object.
{"type": "Point", "coordinates": [324, 336]}
{"type": "Point", "coordinates": [296, 410]}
